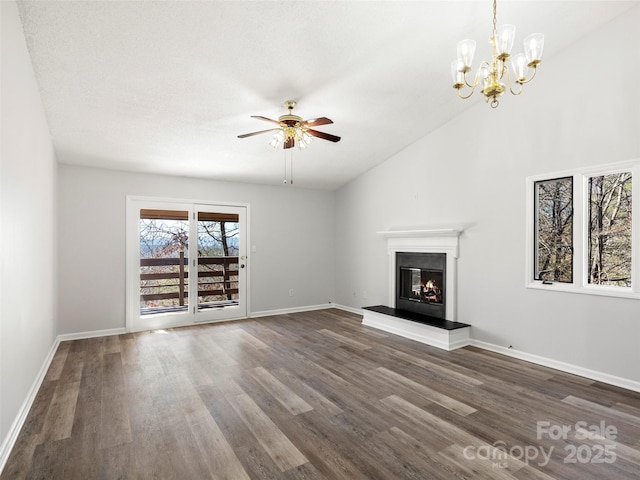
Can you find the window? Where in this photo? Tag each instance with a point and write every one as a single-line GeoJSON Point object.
{"type": "Point", "coordinates": [610, 225]}
{"type": "Point", "coordinates": [581, 231]}
{"type": "Point", "coordinates": [554, 230]}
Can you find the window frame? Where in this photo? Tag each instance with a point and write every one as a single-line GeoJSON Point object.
{"type": "Point", "coordinates": [580, 282]}
{"type": "Point", "coordinates": [536, 228]}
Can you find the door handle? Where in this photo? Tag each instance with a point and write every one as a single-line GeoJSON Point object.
{"type": "Point", "coordinates": [242, 265]}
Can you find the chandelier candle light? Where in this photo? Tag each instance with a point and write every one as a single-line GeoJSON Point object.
{"type": "Point", "coordinates": [492, 74]}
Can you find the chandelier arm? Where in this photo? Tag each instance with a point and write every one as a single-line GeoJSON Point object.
{"type": "Point", "coordinates": [514, 92]}
{"type": "Point", "coordinates": [510, 83]}
{"type": "Point", "coordinates": [527, 80]}
{"type": "Point", "coordinates": [464, 97]}
{"type": "Point", "coordinates": [466, 82]}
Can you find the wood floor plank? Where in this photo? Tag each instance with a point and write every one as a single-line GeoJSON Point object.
{"type": "Point", "coordinates": [444, 372]}
{"type": "Point", "coordinates": [436, 397]}
{"type": "Point", "coordinates": [58, 362]}
{"type": "Point", "coordinates": [223, 462]}
{"type": "Point", "coordinates": [494, 467]}
{"type": "Point", "coordinates": [611, 413]}
{"type": "Point", "coordinates": [292, 402]}
{"type": "Point", "coordinates": [413, 458]}
{"type": "Point", "coordinates": [325, 451]}
{"type": "Point", "coordinates": [313, 397]}
{"type": "Point", "coordinates": [115, 428]}
{"type": "Point", "coordinates": [277, 445]}
{"type": "Point", "coordinates": [344, 339]}
{"type": "Point", "coordinates": [59, 418]}
{"type": "Point", "coordinates": [310, 395]}
{"type": "Point", "coordinates": [431, 421]}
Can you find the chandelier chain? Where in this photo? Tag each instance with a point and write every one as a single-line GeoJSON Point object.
{"type": "Point", "coordinates": [495, 22]}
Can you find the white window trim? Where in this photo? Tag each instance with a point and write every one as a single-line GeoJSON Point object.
{"type": "Point", "coordinates": [580, 229]}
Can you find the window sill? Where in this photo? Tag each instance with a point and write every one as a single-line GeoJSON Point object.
{"type": "Point", "coordinates": [619, 292]}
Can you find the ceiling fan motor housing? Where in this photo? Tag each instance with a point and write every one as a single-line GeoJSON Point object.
{"type": "Point", "coordinates": [290, 120]}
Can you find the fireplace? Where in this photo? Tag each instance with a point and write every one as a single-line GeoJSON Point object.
{"type": "Point", "coordinates": [422, 288]}
{"type": "Point", "coordinates": [421, 283]}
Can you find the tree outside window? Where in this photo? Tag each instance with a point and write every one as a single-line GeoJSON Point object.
{"type": "Point", "coordinates": [610, 226]}
{"type": "Point", "coordinates": [554, 230]}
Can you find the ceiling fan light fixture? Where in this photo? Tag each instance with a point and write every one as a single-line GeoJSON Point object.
{"type": "Point", "coordinates": [277, 139]}
{"type": "Point", "coordinates": [292, 129]}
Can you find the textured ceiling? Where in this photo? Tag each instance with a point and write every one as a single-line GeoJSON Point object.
{"type": "Point", "coordinates": [166, 86]}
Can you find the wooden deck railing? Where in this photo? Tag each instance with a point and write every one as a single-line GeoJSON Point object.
{"type": "Point", "coordinates": [213, 282]}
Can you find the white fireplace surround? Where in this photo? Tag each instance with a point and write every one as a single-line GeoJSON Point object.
{"type": "Point", "coordinates": [441, 240]}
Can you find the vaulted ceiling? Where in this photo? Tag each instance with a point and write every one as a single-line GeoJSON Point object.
{"type": "Point", "coordinates": [166, 86]}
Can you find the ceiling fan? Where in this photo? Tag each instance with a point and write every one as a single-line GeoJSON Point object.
{"type": "Point", "coordinates": [291, 129]}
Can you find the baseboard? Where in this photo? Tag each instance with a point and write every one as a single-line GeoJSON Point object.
{"type": "Point", "coordinates": [357, 311]}
{"type": "Point", "coordinates": [562, 366]}
{"type": "Point", "coordinates": [285, 311]}
{"type": "Point", "coordinates": [10, 440]}
{"type": "Point", "coordinates": [91, 334]}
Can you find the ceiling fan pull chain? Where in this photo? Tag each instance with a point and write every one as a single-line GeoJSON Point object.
{"type": "Point", "coordinates": [285, 167]}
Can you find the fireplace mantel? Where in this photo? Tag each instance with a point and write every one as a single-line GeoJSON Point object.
{"type": "Point", "coordinates": [429, 232]}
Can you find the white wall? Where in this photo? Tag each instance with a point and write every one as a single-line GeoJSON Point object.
{"type": "Point", "coordinates": [582, 109]}
{"type": "Point", "coordinates": [291, 228]}
{"type": "Point", "coordinates": [27, 223]}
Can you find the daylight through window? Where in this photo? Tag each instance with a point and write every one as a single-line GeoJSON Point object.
{"type": "Point", "coordinates": [554, 230]}
{"type": "Point", "coordinates": [610, 229]}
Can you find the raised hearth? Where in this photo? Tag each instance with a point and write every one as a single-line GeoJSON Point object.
{"type": "Point", "coordinates": [433, 331]}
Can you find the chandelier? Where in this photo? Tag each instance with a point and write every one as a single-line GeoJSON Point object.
{"type": "Point", "coordinates": [503, 70]}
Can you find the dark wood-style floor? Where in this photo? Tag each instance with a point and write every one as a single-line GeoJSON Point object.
{"type": "Point", "coordinates": [316, 395]}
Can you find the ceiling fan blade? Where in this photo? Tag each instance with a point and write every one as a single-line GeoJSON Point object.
{"type": "Point", "coordinates": [265, 119]}
{"type": "Point", "coordinates": [324, 136]}
{"type": "Point", "coordinates": [257, 133]}
{"type": "Point", "coordinates": [314, 122]}
{"type": "Point", "coordinates": [289, 142]}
